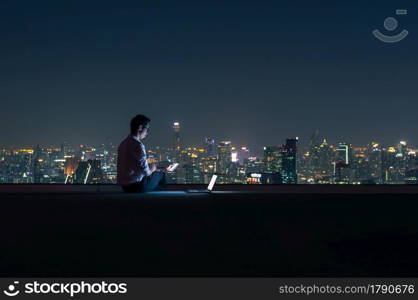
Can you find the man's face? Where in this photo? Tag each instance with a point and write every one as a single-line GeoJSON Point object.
{"type": "Point", "coordinates": [143, 131]}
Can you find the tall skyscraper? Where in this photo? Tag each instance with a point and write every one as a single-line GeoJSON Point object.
{"type": "Point", "coordinates": [374, 157]}
{"type": "Point", "coordinates": [359, 165]}
{"type": "Point", "coordinates": [272, 159]}
{"type": "Point", "coordinates": [318, 162]}
{"type": "Point", "coordinates": [82, 173]}
{"type": "Point", "coordinates": [289, 165]}
{"type": "Point", "coordinates": [64, 149]}
{"type": "Point", "coordinates": [253, 165]}
{"type": "Point", "coordinates": [243, 154]}
{"type": "Point", "coordinates": [208, 167]}
{"type": "Point", "coordinates": [402, 159]}
{"type": "Point", "coordinates": [193, 174]}
{"type": "Point", "coordinates": [394, 163]}
{"type": "Point", "coordinates": [70, 167]}
{"type": "Point", "coordinates": [344, 152]}
{"type": "Point", "coordinates": [343, 164]}
{"type": "Point", "coordinates": [210, 147]}
{"type": "Point", "coordinates": [224, 159]}
{"type": "Point", "coordinates": [38, 162]}
{"type": "Point", "coordinates": [411, 175]}
{"type": "Point", "coordinates": [403, 148]}
{"type": "Point", "coordinates": [176, 136]}
{"type": "Point", "coordinates": [89, 172]}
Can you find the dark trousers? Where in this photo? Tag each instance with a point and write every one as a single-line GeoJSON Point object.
{"type": "Point", "coordinates": [155, 182]}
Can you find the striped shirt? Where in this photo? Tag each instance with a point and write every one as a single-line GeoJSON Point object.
{"type": "Point", "coordinates": [132, 163]}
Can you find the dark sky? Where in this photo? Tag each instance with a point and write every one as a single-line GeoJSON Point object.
{"type": "Point", "coordinates": [253, 72]}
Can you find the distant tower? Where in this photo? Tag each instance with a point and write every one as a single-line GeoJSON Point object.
{"type": "Point", "coordinates": [210, 146]}
{"type": "Point", "coordinates": [64, 149]}
{"type": "Point", "coordinates": [224, 157]}
{"type": "Point", "coordinates": [375, 158]}
{"type": "Point", "coordinates": [88, 172]}
{"type": "Point", "coordinates": [272, 159]}
{"type": "Point", "coordinates": [176, 135]}
{"type": "Point", "coordinates": [37, 165]}
{"type": "Point", "coordinates": [344, 152]}
{"type": "Point", "coordinates": [70, 167]}
{"type": "Point", "coordinates": [343, 162]}
{"type": "Point", "coordinates": [82, 173]}
{"type": "Point", "coordinates": [289, 171]}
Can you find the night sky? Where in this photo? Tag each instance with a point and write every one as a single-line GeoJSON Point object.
{"type": "Point", "coordinates": [254, 72]}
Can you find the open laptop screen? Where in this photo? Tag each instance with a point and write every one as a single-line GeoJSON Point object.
{"type": "Point", "coordinates": [212, 182]}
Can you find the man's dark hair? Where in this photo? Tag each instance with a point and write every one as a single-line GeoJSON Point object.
{"type": "Point", "coordinates": [137, 121]}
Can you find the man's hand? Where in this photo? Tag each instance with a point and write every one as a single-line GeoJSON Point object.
{"type": "Point", "coordinates": [153, 168]}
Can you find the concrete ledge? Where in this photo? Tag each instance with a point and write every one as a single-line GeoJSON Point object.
{"type": "Point", "coordinates": [219, 234]}
{"type": "Point", "coordinates": [300, 188]}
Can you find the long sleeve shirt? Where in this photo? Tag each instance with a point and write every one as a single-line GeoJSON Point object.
{"type": "Point", "coordinates": [132, 165]}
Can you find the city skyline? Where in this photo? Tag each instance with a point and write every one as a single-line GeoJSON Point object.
{"type": "Point", "coordinates": [320, 163]}
{"type": "Point", "coordinates": [303, 144]}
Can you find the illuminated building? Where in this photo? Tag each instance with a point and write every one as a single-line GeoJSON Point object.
{"type": "Point", "coordinates": [401, 160]}
{"type": "Point", "coordinates": [208, 167]}
{"type": "Point", "coordinates": [412, 161]}
{"type": "Point", "coordinates": [178, 176]}
{"type": "Point", "coordinates": [288, 163]}
{"type": "Point", "coordinates": [389, 165]}
{"type": "Point", "coordinates": [235, 175]}
{"type": "Point", "coordinates": [38, 165]}
{"type": "Point", "coordinates": [234, 156]}
{"type": "Point", "coordinates": [272, 159]}
{"type": "Point", "coordinates": [190, 156]}
{"type": "Point", "coordinates": [344, 152]}
{"type": "Point", "coordinates": [64, 149]}
{"type": "Point", "coordinates": [88, 172]}
{"type": "Point", "coordinates": [254, 178]}
{"type": "Point", "coordinates": [360, 164]}
{"type": "Point", "coordinates": [176, 136]}
{"type": "Point", "coordinates": [210, 147]}
{"type": "Point", "coordinates": [16, 166]}
{"type": "Point", "coordinates": [394, 164]}
{"type": "Point", "coordinates": [176, 142]}
{"type": "Point", "coordinates": [411, 175]}
{"type": "Point", "coordinates": [70, 166]}
{"type": "Point", "coordinates": [253, 164]}
{"type": "Point", "coordinates": [193, 174]}
{"type": "Point", "coordinates": [243, 154]}
{"type": "Point", "coordinates": [305, 174]}
{"type": "Point", "coordinates": [323, 157]}
{"type": "Point", "coordinates": [343, 163]}
{"type": "Point", "coordinates": [224, 160]}
{"type": "Point", "coordinates": [375, 162]}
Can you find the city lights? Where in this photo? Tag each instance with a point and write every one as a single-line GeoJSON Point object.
{"type": "Point", "coordinates": [319, 163]}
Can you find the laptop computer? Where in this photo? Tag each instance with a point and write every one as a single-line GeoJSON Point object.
{"type": "Point", "coordinates": [208, 189]}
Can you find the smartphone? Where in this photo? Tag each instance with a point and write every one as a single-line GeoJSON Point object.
{"type": "Point", "coordinates": [172, 167]}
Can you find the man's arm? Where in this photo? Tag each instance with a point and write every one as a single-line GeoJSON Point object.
{"type": "Point", "coordinates": [141, 158]}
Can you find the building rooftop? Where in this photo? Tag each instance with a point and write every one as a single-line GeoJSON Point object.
{"type": "Point", "coordinates": [276, 231]}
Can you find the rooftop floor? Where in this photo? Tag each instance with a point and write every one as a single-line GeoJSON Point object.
{"type": "Point", "coordinates": [278, 232]}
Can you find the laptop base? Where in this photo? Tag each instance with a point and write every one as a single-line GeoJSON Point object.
{"type": "Point", "coordinates": [198, 191]}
